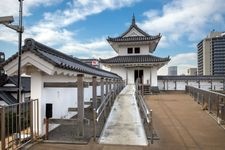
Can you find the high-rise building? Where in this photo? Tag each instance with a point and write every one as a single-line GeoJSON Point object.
{"type": "Point", "coordinates": [172, 70]}
{"type": "Point", "coordinates": [192, 71]}
{"type": "Point", "coordinates": [211, 54]}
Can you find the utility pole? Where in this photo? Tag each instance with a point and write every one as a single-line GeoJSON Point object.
{"type": "Point", "coordinates": [20, 31]}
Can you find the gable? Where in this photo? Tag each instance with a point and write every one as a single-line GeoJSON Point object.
{"type": "Point", "coordinates": [133, 32]}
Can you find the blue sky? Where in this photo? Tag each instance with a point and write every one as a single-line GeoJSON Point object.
{"type": "Point", "coordinates": [80, 27]}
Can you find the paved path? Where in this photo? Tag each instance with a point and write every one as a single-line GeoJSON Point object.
{"type": "Point", "coordinates": [178, 120]}
{"type": "Point", "coordinates": [124, 124]}
{"type": "Point", "coordinates": [182, 124]}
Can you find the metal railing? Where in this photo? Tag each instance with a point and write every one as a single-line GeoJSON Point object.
{"type": "Point", "coordinates": [19, 124]}
{"type": "Point", "coordinates": [146, 113]}
{"type": "Point", "coordinates": [212, 101]}
{"type": "Point", "coordinates": [102, 112]}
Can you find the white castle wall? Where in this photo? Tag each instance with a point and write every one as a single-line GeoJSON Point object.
{"type": "Point", "coordinates": [180, 85]}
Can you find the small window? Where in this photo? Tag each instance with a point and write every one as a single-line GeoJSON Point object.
{"type": "Point", "coordinates": [137, 50]}
{"type": "Point", "coordinates": [129, 50]}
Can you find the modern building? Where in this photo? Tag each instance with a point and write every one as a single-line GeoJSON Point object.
{"type": "Point", "coordinates": [135, 60]}
{"type": "Point", "coordinates": [211, 54]}
{"type": "Point", "coordinates": [192, 71]}
{"type": "Point", "coordinates": [172, 70]}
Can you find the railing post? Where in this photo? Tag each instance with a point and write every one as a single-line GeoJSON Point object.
{"type": "Point", "coordinates": [114, 89]}
{"type": "Point", "coordinates": [2, 111]}
{"type": "Point", "coordinates": [107, 86]}
{"type": "Point", "coordinates": [203, 101]}
{"type": "Point", "coordinates": [102, 89]}
{"type": "Point", "coordinates": [198, 97]}
{"type": "Point", "coordinates": [94, 91]}
{"type": "Point", "coordinates": [80, 97]}
{"type": "Point", "coordinates": [116, 86]}
{"type": "Point", "coordinates": [151, 122]}
{"type": "Point", "coordinates": [102, 95]}
{"type": "Point", "coordinates": [217, 107]}
{"type": "Point", "coordinates": [209, 103]}
{"type": "Point", "coordinates": [110, 90]}
{"type": "Point", "coordinates": [95, 124]}
{"type": "Point", "coordinates": [31, 120]}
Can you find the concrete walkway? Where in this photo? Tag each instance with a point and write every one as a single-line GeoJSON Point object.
{"type": "Point", "coordinates": [179, 122]}
{"type": "Point", "coordinates": [124, 124]}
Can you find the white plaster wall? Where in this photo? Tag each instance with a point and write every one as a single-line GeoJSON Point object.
{"type": "Point", "coordinates": [98, 90]}
{"type": "Point", "coordinates": [61, 98]}
{"type": "Point", "coordinates": [171, 85]}
{"type": "Point", "coordinates": [130, 75]}
{"type": "Point", "coordinates": [87, 94]}
{"type": "Point", "coordinates": [147, 75]}
{"type": "Point", "coordinates": [154, 79]}
{"type": "Point", "coordinates": [36, 93]}
{"type": "Point", "coordinates": [205, 85]}
{"type": "Point", "coordinates": [121, 71]}
{"type": "Point", "coordinates": [160, 85]}
{"type": "Point", "coordinates": [193, 83]}
{"type": "Point", "coordinates": [217, 85]}
{"type": "Point", "coordinates": [181, 85]}
{"type": "Point", "coordinates": [144, 50]}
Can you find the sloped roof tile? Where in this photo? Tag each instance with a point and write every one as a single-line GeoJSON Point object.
{"type": "Point", "coordinates": [134, 59]}
{"type": "Point", "coordinates": [61, 60]}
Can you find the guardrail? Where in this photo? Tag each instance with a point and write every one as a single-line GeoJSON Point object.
{"type": "Point", "coordinates": [212, 101]}
{"type": "Point", "coordinates": [19, 124]}
{"type": "Point", "coordinates": [146, 112]}
{"type": "Point", "coordinates": [101, 110]}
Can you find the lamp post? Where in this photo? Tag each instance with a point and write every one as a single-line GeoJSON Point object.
{"type": "Point", "coordinates": [7, 20]}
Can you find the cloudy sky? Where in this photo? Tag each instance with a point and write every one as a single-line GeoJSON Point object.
{"type": "Point", "coordinates": [80, 27]}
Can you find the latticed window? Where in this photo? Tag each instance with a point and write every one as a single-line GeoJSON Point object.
{"type": "Point", "coordinates": [129, 50]}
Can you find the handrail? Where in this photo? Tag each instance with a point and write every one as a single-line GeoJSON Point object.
{"type": "Point", "coordinates": [98, 112]}
{"type": "Point", "coordinates": [103, 105]}
{"type": "Point", "coordinates": [105, 100]}
{"type": "Point", "coordinates": [212, 101]}
{"type": "Point", "coordinates": [144, 108]}
{"type": "Point", "coordinates": [146, 112]}
{"type": "Point", "coordinates": [19, 124]}
{"type": "Point", "coordinates": [206, 90]}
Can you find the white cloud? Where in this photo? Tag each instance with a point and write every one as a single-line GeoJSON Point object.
{"type": "Point", "coordinates": [11, 7]}
{"type": "Point", "coordinates": [52, 29]}
{"type": "Point", "coordinates": [182, 61]}
{"type": "Point", "coordinates": [98, 48]}
{"type": "Point", "coordinates": [80, 9]}
{"type": "Point", "coordinates": [181, 18]}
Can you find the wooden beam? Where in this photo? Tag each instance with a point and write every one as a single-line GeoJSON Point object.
{"type": "Point", "coordinates": [64, 84]}
{"type": "Point", "coordinates": [80, 98]}
{"type": "Point", "coordinates": [63, 121]}
{"type": "Point", "coordinates": [94, 92]}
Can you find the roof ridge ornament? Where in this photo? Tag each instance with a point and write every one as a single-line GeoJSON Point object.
{"type": "Point", "coordinates": [133, 20]}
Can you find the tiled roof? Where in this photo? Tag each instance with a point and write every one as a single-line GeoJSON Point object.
{"type": "Point", "coordinates": [133, 38]}
{"type": "Point", "coordinates": [7, 97]}
{"type": "Point", "coordinates": [145, 37]}
{"type": "Point", "coordinates": [133, 25]}
{"type": "Point", "coordinates": [25, 83]}
{"type": "Point", "coordinates": [134, 59]}
{"type": "Point", "coordinates": [61, 60]}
